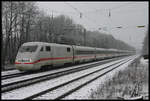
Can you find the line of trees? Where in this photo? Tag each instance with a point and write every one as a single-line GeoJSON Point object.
{"type": "Point", "coordinates": [24, 22]}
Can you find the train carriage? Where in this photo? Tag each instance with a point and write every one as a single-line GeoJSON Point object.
{"type": "Point", "coordinates": [40, 55]}
{"type": "Point", "coordinates": [101, 53]}
{"type": "Point", "coordinates": [26, 58]}
{"type": "Point", "coordinates": [62, 54]}
{"type": "Point", "coordinates": [83, 54]}
{"type": "Point", "coordinates": [37, 55]}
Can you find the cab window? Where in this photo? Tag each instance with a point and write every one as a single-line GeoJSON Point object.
{"type": "Point", "coordinates": [68, 49]}
{"type": "Point", "coordinates": [28, 48]}
{"type": "Point", "coordinates": [48, 48]}
{"type": "Point", "coordinates": [41, 49]}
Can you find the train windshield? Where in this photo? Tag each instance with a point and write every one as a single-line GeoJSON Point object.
{"type": "Point", "coordinates": [28, 48]}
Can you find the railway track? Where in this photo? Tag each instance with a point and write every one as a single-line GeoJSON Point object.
{"type": "Point", "coordinates": [8, 69]}
{"type": "Point", "coordinates": [78, 78]}
{"type": "Point", "coordinates": [19, 74]}
{"type": "Point", "coordinates": [9, 72]}
{"type": "Point", "coordinates": [16, 73]}
{"type": "Point", "coordinates": [11, 84]}
{"type": "Point", "coordinates": [75, 84]}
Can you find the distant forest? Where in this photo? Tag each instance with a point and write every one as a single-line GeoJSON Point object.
{"type": "Point", "coordinates": [24, 22]}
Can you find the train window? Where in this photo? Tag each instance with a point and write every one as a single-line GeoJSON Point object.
{"type": "Point", "coordinates": [28, 48]}
{"type": "Point", "coordinates": [48, 48]}
{"type": "Point", "coordinates": [41, 49]}
{"type": "Point", "coordinates": [68, 49]}
{"type": "Point", "coordinates": [84, 52]}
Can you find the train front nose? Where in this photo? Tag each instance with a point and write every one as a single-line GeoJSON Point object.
{"type": "Point", "coordinates": [24, 64]}
{"type": "Point", "coordinates": [25, 59]}
{"type": "Point", "coordinates": [24, 67]}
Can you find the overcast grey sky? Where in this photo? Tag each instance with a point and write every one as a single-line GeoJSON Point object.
{"type": "Point", "coordinates": [95, 15]}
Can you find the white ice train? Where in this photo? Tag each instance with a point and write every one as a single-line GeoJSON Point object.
{"type": "Point", "coordinates": [39, 55]}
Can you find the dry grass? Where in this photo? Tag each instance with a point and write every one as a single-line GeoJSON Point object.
{"type": "Point", "coordinates": [123, 83]}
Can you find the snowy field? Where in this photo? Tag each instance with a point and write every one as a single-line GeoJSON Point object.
{"type": "Point", "coordinates": [99, 88]}
{"type": "Point", "coordinates": [85, 92]}
{"type": "Point", "coordinates": [121, 84]}
{"type": "Point", "coordinates": [110, 86]}
{"type": "Point", "coordinates": [32, 89]}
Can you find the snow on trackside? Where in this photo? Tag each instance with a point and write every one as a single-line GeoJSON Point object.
{"type": "Point", "coordinates": [144, 61]}
{"type": "Point", "coordinates": [16, 79]}
{"type": "Point", "coordinates": [85, 91]}
{"type": "Point", "coordinates": [38, 87]}
{"type": "Point", "coordinates": [9, 72]}
{"type": "Point", "coordinates": [55, 93]}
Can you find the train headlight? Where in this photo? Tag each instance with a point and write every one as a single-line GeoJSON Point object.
{"type": "Point", "coordinates": [27, 60]}
{"type": "Point", "coordinates": [16, 60]}
{"type": "Point", "coordinates": [24, 60]}
{"type": "Point", "coordinates": [30, 60]}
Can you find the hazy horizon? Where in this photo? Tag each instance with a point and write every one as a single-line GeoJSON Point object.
{"type": "Point", "coordinates": [95, 15]}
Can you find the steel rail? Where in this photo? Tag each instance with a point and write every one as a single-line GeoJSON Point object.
{"type": "Point", "coordinates": [27, 82]}
{"type": "Point", "coordinates": [56, 87]}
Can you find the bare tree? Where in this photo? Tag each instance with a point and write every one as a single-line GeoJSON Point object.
{"type": "Point", "coordinates": [23, 22]}
{"type": "Point", "coordinates": [9, 16]}
{"type": "Point", "coordinates": [16, 26]}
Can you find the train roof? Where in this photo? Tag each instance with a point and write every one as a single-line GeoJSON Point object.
{"type": "Point", "coordinates": [83, 47]}
{"type": "Point", "coordinates": [33, 43]}
{"type": "Point", "coordinates": [42, 43]}
{"type": "Point", "coordinates": [101, 49]}
{"type": "Point", "coordinates": [55, 44]}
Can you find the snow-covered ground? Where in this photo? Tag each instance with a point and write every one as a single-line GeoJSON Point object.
{"type": "Point", "coordinates": [25, 77]}
{"type": "Point", "coordinates": [9, 72]}
{"type": "Point", "coordinates": [96, 87]}
{"type": "Point", "coordinates": [58, 92]}
{"type": "Point", "coordinates": [144, 61]}
{"type": "Point", "coordinates": [35, 88]}
{"type": "Point", "coordinates": [85, 91]}
{"type": "Point", "coordinates": [9, 66]}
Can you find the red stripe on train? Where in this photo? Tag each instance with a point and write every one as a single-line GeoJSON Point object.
{"type": "Point", "coordinates": [44, 59]}
{"type": "Point", "coordinates": [56, 58]}
{"type": "Point", "coordinates": [83, 56]}
{"type": "Point", "coordinates": [17, 63]}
